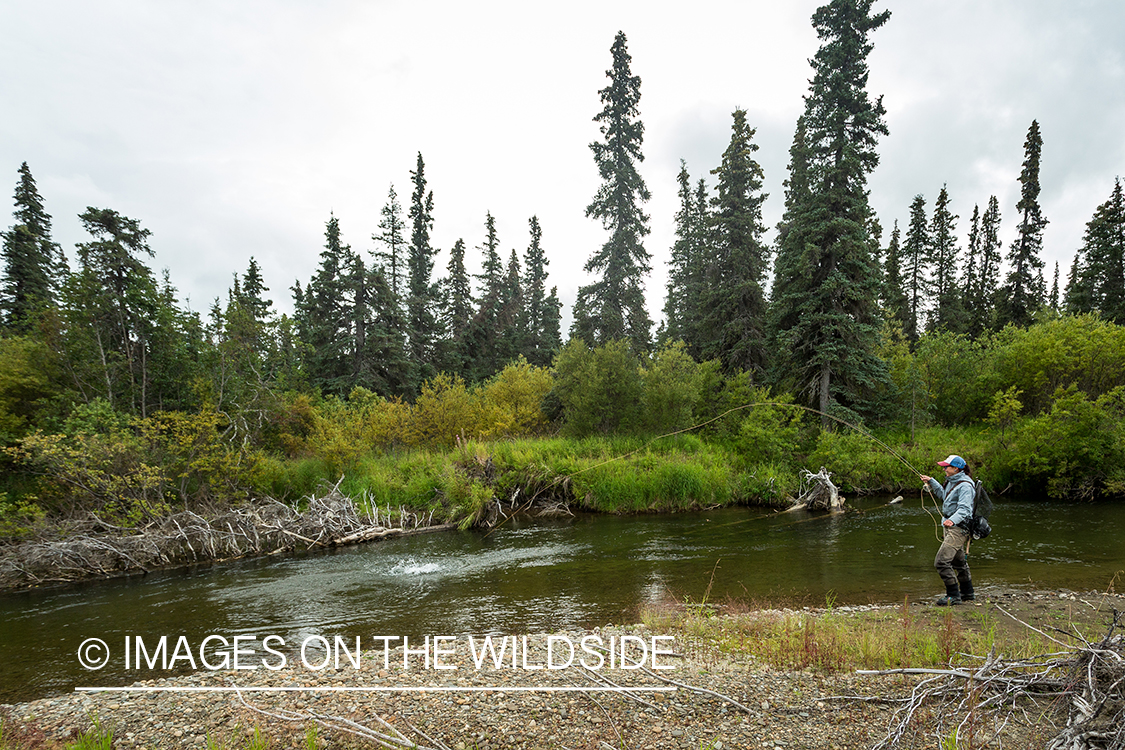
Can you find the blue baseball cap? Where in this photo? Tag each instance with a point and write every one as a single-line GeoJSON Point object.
{"type": "Point", "coordinates": [955, 461]}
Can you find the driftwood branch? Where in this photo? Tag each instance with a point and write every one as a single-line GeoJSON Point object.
{"type": "Point", "coordinates": [1086, 681]}
{"type": "Point", "coordinates": [818, 492]}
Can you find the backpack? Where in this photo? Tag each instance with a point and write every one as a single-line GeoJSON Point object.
{"type": "Point", "coordinates": [979, 526]}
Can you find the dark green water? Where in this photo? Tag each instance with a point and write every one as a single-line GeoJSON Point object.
{"type": "Point", "coordinates": [539, 576]}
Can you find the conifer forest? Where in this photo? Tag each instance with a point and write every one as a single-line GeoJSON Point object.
{"type": "Point", "coordinates": [401, 378]}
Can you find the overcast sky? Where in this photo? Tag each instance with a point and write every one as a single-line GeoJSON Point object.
{"type": "Point", "coordinates": [234, 130]}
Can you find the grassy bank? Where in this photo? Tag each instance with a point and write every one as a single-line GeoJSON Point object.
{"type": "Point", "coordinates": [611, 475]}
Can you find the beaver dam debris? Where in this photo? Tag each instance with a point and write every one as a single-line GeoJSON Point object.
{"type": "Point", "coordinates": [264, 527]}
{"type": "Point", "coordinates": [818, 492]}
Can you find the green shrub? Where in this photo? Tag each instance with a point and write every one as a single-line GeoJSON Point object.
{"type": "Point", "coordinates": [1076, 449]}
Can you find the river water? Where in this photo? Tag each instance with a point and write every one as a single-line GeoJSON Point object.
{"type": "Point", "coordinates": [534, 576]}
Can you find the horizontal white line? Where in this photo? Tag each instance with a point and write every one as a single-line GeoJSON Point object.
{"type": "Point", "coordinates": [267, 689]}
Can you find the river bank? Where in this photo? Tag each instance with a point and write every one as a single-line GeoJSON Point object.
{"type": "Point", "coordinates": [716, 696]}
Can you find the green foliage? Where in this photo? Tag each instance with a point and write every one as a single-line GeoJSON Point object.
{"type": "Point", "coordinates": [18, 516]}
{"type": "Point", "coordinates": [957, 375]}
{"type": "Point", "coordinates": [511, 401]}
{"type": "Point", "coordinates": [1074, 450]}
{"type": "Point", "coordinates": [129, 470]}
{"type": "Point", "coordinates": [732, 303]}
{"type": "Point", "coordinates": [1080, 350]}
{"type": "Point", "coordinates": [445, 411]}
{"type": "Point", "coordinates": [24, 384]}
{"type": "Point", "coordinates": [34, 265]}
{"type": "Point", "coordinates": [824, 315]}
{"type": "Point", "coordinates": [905, 397]}
{"type": "Point", "coordinates": [671, 389]}
{"type": "Point", "coordinates": [1006, 406]}
{"type": "Point", "coordinates": [769, 434]}
{"type": "Point", "coordinates": [600, 389]}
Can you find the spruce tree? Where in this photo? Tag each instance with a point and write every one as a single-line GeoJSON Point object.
{"type": "Point", "coordinates": [733, 305]}
{"type": "Point", "coordinates": [970, 276]}
{"type": "Point", "coordinates": [393, 237]}
{"type": "Point", "coordinates": [252, 290]}
{"type": "Point", "coordinates": [944, 252]}
{"type": "Point", "coordinates": [457, 301]}
{"type": "Point", "coordinates": [325, 315]}
{"type": "Point", "coordinates": [1022, 294]}
{"type": "Point", "coordinates": [828, 318]}
{"type": "Point", "coordinates": [34, 266]}
{"type": "Point", "coordinates": [989, 274]}
{"type": "Point", "coordinates": [894, 298]}
{"type": "Point", "coordinates": [512, 332]}
{"type": "Point", "coordinates": [1097, 276]}
{"type": "Point", "coordinates": [613, 306]}
{"type": "Point", "coordinates": [421, 320]}
{"type": "Point", "coordinates": [122, 336]}
{"type": "Point", "coordinates": [552, 322]}
{"type": "Point", "coordinates": [681, 263]}
{"type": "Point", "coordinates": [484, 335]}
{"type": "Point", "coordinates": [538, 348]}
{"type": "Point", "coordinates": [382, 364]}
{"type": "Point", "coordinates": [915, 271]}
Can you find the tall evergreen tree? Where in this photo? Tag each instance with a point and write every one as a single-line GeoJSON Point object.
{"type": "Point", "coordinates": [987, 278]}
{"type": "Point", "coordinates": [34, 266]}
{"type": "Point", "coordinates": [1022, 293]}
{"type": "Point", "coordinates": [734, 306]}
{"type": "Point", "coordinates": [381, 363]}
{"type": "Point", "coordinates": [895, 302]}
{"type": "Point", "coordinates": [539, 348]}
{"type": "Point", "coordinates": [916, 259]}
{"type": "Point", "coordinates": [1053, 299]}
{"type": "Point", "coordinates": [252, 290]}
{"type": "Point", "coordinates": [484, 336]}
{"type": "Point", "coordinates": [123, 337]}
{"type": "Point", "coordinates": [827, 318]}
{"type": "Point", "coordinates": [491, 277]}
{"type": "Point", "coordinates": [552, 321]}
{"type": "Point", "coordinates": [512, 319]}
{"type": "Point", "coordinates": [457, 300]}
{"type": "Point", "coordinates": [393, 237]}
{"type": "Point", "coordinates": [948, 313]}
{"type": "Point", "coordinates": [325, 315]}
{"type": "Point", "coordinates": [970, 277]}
{"type": "Point", "coordinates": [422, 324]}
{"type": "Point", "coordinates": [613, 306]}
{"type": "Point", "coordinates": [681, 263]}
{"type": "Point", "coordinates": [1097, 277]}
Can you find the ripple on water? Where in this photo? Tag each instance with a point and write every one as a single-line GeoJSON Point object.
{"type": "Point", "coordinates": [411, 567]}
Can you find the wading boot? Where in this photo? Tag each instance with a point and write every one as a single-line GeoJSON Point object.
{"type": "Point", "coordinates": [967, 594]}
{"type": "Point", "coordinates": [952, 596]}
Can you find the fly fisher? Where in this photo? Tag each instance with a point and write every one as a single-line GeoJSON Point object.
{"type": "Point", "coordinates": [951, 560]}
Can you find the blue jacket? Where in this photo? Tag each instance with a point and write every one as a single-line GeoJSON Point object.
{"type": "Point", "coordinates": [957, 495]}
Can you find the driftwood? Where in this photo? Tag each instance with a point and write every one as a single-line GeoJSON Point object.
{"type": "Point", "coordinates": [818, 492]}
{"type": "Point", "coordinates": [1085, 679]}
{"type": "Point", "coordinates": [264, 527]}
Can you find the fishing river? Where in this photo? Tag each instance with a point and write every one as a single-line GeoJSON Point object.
{"type": "Point", "coordinates": [531, 576]}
